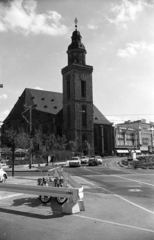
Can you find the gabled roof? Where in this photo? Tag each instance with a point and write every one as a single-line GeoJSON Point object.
{"type": "Point", "coordinates": [44, 101]}
{"type": "Point", "coordinates": [99, 118]}
{"type": "Point", "coordinates": [48, 102]}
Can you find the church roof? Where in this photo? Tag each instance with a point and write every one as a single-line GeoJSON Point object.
{"type": "Point", "coordinates": [48, 102]}
{"type": "Point", "coordinates": [44, 101]}
{"type": "Point", "coordinates": [99, 118]}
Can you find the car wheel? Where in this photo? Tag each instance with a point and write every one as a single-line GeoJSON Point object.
{"type": "Point", "coordinates": [4, 178]}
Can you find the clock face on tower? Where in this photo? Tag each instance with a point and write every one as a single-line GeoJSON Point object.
{"type": "Point", "coordinates": [83, 76]}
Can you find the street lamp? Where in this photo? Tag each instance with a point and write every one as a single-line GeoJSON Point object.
{"type": "Point", "coordinates": [29, 108]}
{"type": "Point", "coordinates": [82, 111]}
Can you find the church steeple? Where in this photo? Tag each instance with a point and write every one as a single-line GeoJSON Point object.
{"type": "Point", "coordinates": [76, 50]}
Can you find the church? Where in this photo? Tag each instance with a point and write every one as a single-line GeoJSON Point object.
{"type": "Point", "coordinates": [71, 113]}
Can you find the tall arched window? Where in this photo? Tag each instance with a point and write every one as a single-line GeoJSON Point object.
{"type": "Point", "coordinates": [68, 90]}
{"type": "Point", "coordinates": [68, 116]}
{"type": "Point", "coordinates": [95, 137]}
{"type": "Point", "coordinates": [84, 115]}
{"type": "Point", "coordinates": [83, 88]}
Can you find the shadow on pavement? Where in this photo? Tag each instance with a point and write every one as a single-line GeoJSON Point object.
{"type": "Point", "coordinates": [51, 210]}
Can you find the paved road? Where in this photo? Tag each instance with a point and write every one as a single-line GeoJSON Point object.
{"type": "Point", "coordinates": [119, 205]}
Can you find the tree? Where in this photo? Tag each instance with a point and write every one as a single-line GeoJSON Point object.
{"type": "Point", "coordinates": [86, 147]}
{"type": "Point", "coordinates": [45, 144]}
{"type": "Point", "coordinates": [15, 138]}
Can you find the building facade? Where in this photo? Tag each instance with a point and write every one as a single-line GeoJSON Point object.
{"type": "Point", "coordinates": [135, 135]}
{"type": "Point", "coordinates": [71, 113]}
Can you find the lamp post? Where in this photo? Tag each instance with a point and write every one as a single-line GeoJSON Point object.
{"type": "Point", "coordinates": [30, 129]}
{"type": "Point", "coordinates": [82, 111]}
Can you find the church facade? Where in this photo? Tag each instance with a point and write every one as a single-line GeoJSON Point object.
{"type": "Point", "coordinates": [71, 113]}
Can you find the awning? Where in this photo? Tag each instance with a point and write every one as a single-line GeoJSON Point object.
{"type": "Point", "coordinates": [137, 151]}
{"type": "Point", "coordinates": [122, 151]}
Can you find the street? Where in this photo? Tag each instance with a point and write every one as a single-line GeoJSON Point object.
{"type": "Point", "coordinates": [119, 204]}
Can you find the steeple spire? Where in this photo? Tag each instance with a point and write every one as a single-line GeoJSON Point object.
{"type": "Point", "coordinates": [76, 21]}
{"type": "Point", "coordinates": [76, 50]}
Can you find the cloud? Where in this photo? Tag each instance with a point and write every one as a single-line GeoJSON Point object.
{"type": "Point", "coordinates": [21, 16]}
{"type": "Point", "coordinates": [38, 88]}
{"type": "Point", "coordinates": [4, 114]}
{"type": "Point", "coordinates": [127, 11]}
{"type": "Point", "coordinates": [92, 26]}
{"type": "Point", "coordinates": [135, 48]}
{"type": "Point", "coordinates": [4, 96]}
{"type": "Point", "coordinates": [116, 119]}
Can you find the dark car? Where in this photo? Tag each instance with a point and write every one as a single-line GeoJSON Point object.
{"type": "Point", "coordinates": [93, 161]}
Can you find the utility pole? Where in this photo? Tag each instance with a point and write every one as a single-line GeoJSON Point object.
{"type": "Point", "coordinates": [30, 129]}
{"type": "Point", "coordinates": [30, 164]}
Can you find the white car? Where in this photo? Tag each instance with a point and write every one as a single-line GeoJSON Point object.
{"type": "Point", "coordinates": [99, 158]}
{"type": "Point", "coordinates": [3, 175]}
{"type": "Point", "coordinates": [75, 162]}
{"type": "Point", "coordinates": [84, 159]}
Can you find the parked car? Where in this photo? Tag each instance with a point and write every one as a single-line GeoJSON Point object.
{"type": "Point", "coordinates": [3, 175]}
{"type": "Point", "coordinates": [75, 162]}
{"type": "Point", "coordinates": [100, 161]}
{"type": "Point", "coordinates": [93, 161]}
{"type": "Point", "coordinates": [84, 159]}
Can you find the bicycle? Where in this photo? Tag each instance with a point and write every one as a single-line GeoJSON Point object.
{"type": "Point", "coordinates": [58, 182]}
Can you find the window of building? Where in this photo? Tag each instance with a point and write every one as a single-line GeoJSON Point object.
{"type": "Point", "coordinates": [68, 117]}
{"type": "Point", "coordinates": [59, 131]}
{"type": "Point", "coordinates": [68, 90]}
{"type": "Point", "coordinates": [84, 115]}
{"type": "Point", "coordinates": [84, 137]}
{"type": "Point", "coordinates": [145, 141]}
{"type": "Point", "coordinates": [83, 88]}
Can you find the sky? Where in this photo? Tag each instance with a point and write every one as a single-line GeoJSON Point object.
{"type": "Point", "coordinates": [119, 39]}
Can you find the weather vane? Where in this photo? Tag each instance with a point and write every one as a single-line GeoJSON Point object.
{"type": "Point", "coordinates": [76, 21]}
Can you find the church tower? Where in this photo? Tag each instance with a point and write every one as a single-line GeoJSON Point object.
{"type": "Point", "coordinates": [78, 94]}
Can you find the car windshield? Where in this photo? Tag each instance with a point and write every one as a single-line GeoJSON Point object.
{"type": "Point", "coordinates": [83, 157]}
{"type": "Point", "coordinates": [74, 158]}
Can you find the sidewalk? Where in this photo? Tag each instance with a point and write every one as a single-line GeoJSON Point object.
{"type": "Point", "coordinates": [35, 167]}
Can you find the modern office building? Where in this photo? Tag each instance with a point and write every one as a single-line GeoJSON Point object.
{"type": "Point", "coordinates": [135, 135]}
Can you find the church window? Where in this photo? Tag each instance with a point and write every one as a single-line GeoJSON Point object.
{"type": "Point", "coordinates": [84, 137]}
{"type": "Point", "coordinates": [68, 90]}
{"type": "Point", "coordinates": [68, 117]}
{"type": "Point", "coordinates": [84, 115]}
{"type": "Point", "coordinates": [83, 88]}
{"type": "Point", "coordinates": [59, 131]}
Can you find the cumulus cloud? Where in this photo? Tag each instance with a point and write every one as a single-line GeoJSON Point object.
{"type": "Point", "coordinates": [21, 16]}
{"type": "Point", "coordinates": [3, 96]}
{"type": "Point", "coordinates": [134, 48]}
{"type": "Point", "coordinates": [127, 11]}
